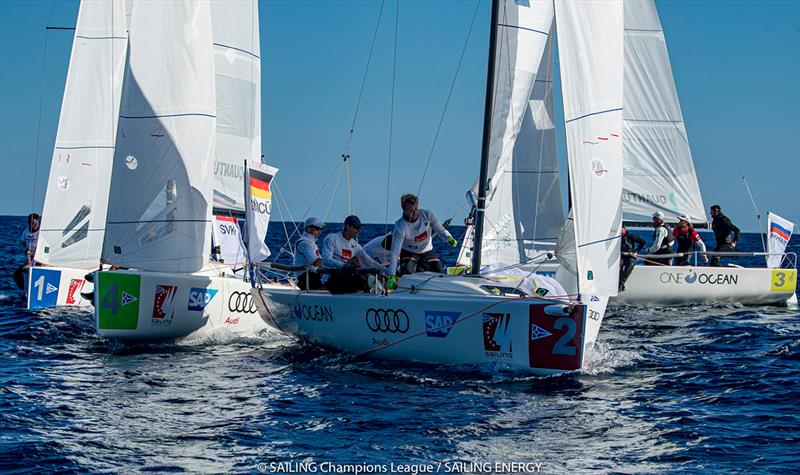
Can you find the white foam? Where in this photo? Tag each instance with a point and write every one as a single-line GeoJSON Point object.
{"type": "Point", "coordinates": [603, 359]}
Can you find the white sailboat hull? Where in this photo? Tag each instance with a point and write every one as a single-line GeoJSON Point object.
{"type": "Point", "coordinates": [692, 285]}
{"type": "Point", "coordinates": [55, 286]}
{"type": "Point", "coordinates": [139, 305]}
{"type": "Point", "coordinates": [530, 334]}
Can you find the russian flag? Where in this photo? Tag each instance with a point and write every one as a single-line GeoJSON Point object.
{"type": "Point", "coordinates": [780, 231]}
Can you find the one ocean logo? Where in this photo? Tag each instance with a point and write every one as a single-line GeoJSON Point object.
{"type": "Point", "coordinates": [199, 297]}
{"type": "Point", "coordinates": [438, 323]}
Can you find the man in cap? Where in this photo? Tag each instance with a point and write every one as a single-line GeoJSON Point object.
{"type": "Point", "coordinates": [412, 240]}
{"type": "Point", "coordinates": [688, 241]}
{"type": "Point", "coordinates": [662, 240]}
{"type": "Point", "coordinates": [307, 254]}
{"type": "Point", "coordinates": [725, 233]}
{"type": "Point", "coordinates": [342, 253]}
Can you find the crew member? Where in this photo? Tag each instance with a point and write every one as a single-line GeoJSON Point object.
{"type": "Point", "coordinates": [342, 253]}
{"type": "Point", "coordinates": [412, 240]}
{"type": "Point", "coordinates": [631, 245]}
{"type": "Point", "coordinates": [30, 235]}
{"type": "Point", "coordinates": [307, 254]}
{"type": "Point", "coordinates": [725, 232]}
{"type": "Point", "coordinates": [662, 240]}
{"type": "Point", "coordinates": [687, 239]}
{"type": "Point", "coordinates": [380, 249]}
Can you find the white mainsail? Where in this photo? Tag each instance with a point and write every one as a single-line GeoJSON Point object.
{"type": "Point", "coordinates": [523, 207]}
{"type": "Point", "coordinates": [74, 216]}
{"type": "Point", "coordinates": [161, 183]}
{"type": "Point", "coordinates": [238, 97]}
{"type": "Point", "coordinates": [659, 172]}
{"type": "Point", "coordinates": [590, 45]}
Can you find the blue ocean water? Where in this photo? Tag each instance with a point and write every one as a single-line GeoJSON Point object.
{"type": "Point", "coordinates": [694, 390]}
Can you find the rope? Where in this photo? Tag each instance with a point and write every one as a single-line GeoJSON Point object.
{"type": "Point", "coordinates": [41, 101]}
{"type": "Point", "coordinates": [449, 94]}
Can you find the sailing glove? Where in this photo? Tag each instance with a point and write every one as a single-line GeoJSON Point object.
{"type": "Point", "coordinates": [391, 282]}
{"type": "Point", "coordinates": [452, 241]}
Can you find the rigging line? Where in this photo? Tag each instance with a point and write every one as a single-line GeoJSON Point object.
{"type": "Point", "coordinates": [391, 117]}
{"type": "Point", "coordinates": [449, 95]}
{"type": "Point", "coordinates": [283, 222]}
{"type": "Point", "coordinates": [749, 194]}
{"type": "Point", "coordinates": [333, 193]}
{"type": "Point", "coordinates": [41, 101]}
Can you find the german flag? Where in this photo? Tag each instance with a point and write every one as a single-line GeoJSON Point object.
{"type": "Point", "coordinates": [259, 184]}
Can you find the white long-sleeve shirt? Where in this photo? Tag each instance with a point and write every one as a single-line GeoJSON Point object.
{"type": "Point", "coordinates": [415, 237]}
{"type": "Point", "coordinates": [375, 250]}
{"type": "Point", "coordinates": [337, 251]}
{"type": "Point", "coordinates": [659, 234]}
{"type": "Point", "coordinates": [306, 251]}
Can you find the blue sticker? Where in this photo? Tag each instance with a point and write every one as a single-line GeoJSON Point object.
{"type": "Point", "coordinates": [43, 288]}
{"type": "Point", "coordinates": [199, 298]}
{"type": "Point", "coordinates": [438, 323]}
{"type": "Point", "coordinates": [538, 332]}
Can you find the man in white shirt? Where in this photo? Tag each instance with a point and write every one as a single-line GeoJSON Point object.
{"type": "Point", "coordinates": [28, 240]}
{"type": "Point", "coordinates": [412, 240]}
{"type": "Point", "coordinates": [342, 253]}
{"type": "Point", "coordinates": [380, 249]}
{"type": "Point", "coordinates": [662, 240]}
{"type": "Point", "coordinates": [306, 253]}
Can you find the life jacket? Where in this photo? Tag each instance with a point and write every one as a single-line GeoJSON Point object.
{"type": "Point", "coordinates": [666, 243]}
{"type": "Point", "coordinates": [686, 241]}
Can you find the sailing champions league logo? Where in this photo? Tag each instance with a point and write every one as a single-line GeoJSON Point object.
{"type": "Point", "coordinates": [438, 323]}
{"type": "Point", "coordinates": [497, 335]}
{"type": "Point", "coordinates": [75, 286]}
{"type": "Point", "coordinates": [163, 304]}
{"type": "Point", "coordinates": [199, 298]}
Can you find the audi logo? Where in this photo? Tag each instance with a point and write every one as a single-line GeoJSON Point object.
{"type": "Point", "coordinates": [241, 302]}
{"type": "Point", "coordinates": [387, 320]}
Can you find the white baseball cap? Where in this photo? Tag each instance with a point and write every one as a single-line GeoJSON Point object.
{"type": "Point", "coordinates": [313, 221]}
{"type": "Point", "coordinates": [684, 218]}
{"type": "Point", "coordinates": [658, 215]}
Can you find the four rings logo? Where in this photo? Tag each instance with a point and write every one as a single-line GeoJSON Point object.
{"type": "Point", "coordinates": [387, 320]}
{"type": "Point", "coordinates": [241, 302]}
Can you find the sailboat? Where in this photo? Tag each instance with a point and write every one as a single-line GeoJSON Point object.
{"type": "Point", "coordinates": [660, 176]}
{"type": "Point", "coordinates": [73, 219]}
{"type": "Point", "coordinates": [190, 97]}
{"type": "Point", "coordinates": [472, 319]}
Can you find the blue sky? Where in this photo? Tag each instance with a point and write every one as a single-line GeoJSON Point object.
{"type": "Point", "coordinates": [736, 65]}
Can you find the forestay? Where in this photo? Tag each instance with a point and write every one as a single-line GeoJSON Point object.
{"type": "Point", "coordinates": [238, 97]}
{"type": "Point", "coordinates": [74, 215]}
{"type": "Point", "coordinates": [590, 45]}
{"type": "Point", "coordinates": [523, 208]}
{"type": "Point", "coordinates": [659, 172]}
{"type": "Point", "coordinates": [161, 182]}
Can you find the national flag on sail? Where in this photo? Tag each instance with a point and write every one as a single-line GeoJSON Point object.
{"type": "Point", "coordinates": [779, 233]}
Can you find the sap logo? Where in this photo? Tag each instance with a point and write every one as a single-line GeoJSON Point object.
{"type": "Point", "coordinates": [199, 298]}
{"type": "Point", "coordinates": [439, 323]}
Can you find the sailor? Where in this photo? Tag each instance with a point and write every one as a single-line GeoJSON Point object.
{"type": "Point", "coordinates": [725, 232]}
{"type": "Point", "coordinates": [380, 249]}
{"type": "Point", "coordinates": [307, 254]}
{"type": "Point", "coordinates": [687, 239]}
{"type": "Point", "coordinates": [662, 240]}
{"type": "Point", "coordinates": [412, 240]}
{"type": "Point", "coordinates": [30, 235]}
{"type": "Point", "coordinates": [631, 245]}
{"type": "Point", "coordinates": [342, 253]}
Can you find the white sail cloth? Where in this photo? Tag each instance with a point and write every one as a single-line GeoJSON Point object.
{"type": "Point", "coordinates": [74, 215]}
{"type": "Point", "coordinates": [238, 98]}
{"type": "Point", "coordinates": [659, 171]}
{"type": "Point", "coordinates": [523, 212]}
{"type": "Point", "coordinates": [161, 184]}
{"type": "Point", "coordinates": [779, 232]}
{"type": "Point", "coordinates": [590, 45]}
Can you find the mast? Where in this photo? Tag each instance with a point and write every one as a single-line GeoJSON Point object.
{"type": "Point", "coordinates": [487, 135]}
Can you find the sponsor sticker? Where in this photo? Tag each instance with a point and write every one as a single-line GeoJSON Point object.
{"type": "Point", "coordinates": [119, 300]}
{"type": "Point", "coordinates": [438, 323]}
{"type": "Point", "coordinates": [199, 297]}
{"type": "Point", "coordinates": [164, 303]}
{"type": "Point", "coordinates": [75, 287]}
{"type": "Point", "coordinates": [556, 342]}
{"type": "Point", "coordinates": [318, 313]}
{"type": "Point", "coordinates": [497, 335]}
{"type": "Point", "coordinates": [784, 280]}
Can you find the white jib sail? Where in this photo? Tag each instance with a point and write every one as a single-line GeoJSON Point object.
{"type": "Point", "coordinates": [159, 207]}
{"type": "Point", "coordinates": [659, 171]}
{"type": "Point", "coordinates": [74, 216]}
{"type": "Point", "coordinates": [238, 95]}
{"type": "Point", "coordinates": [523, 208]}
{"type": "Point", "coordinates": [590, 49]}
